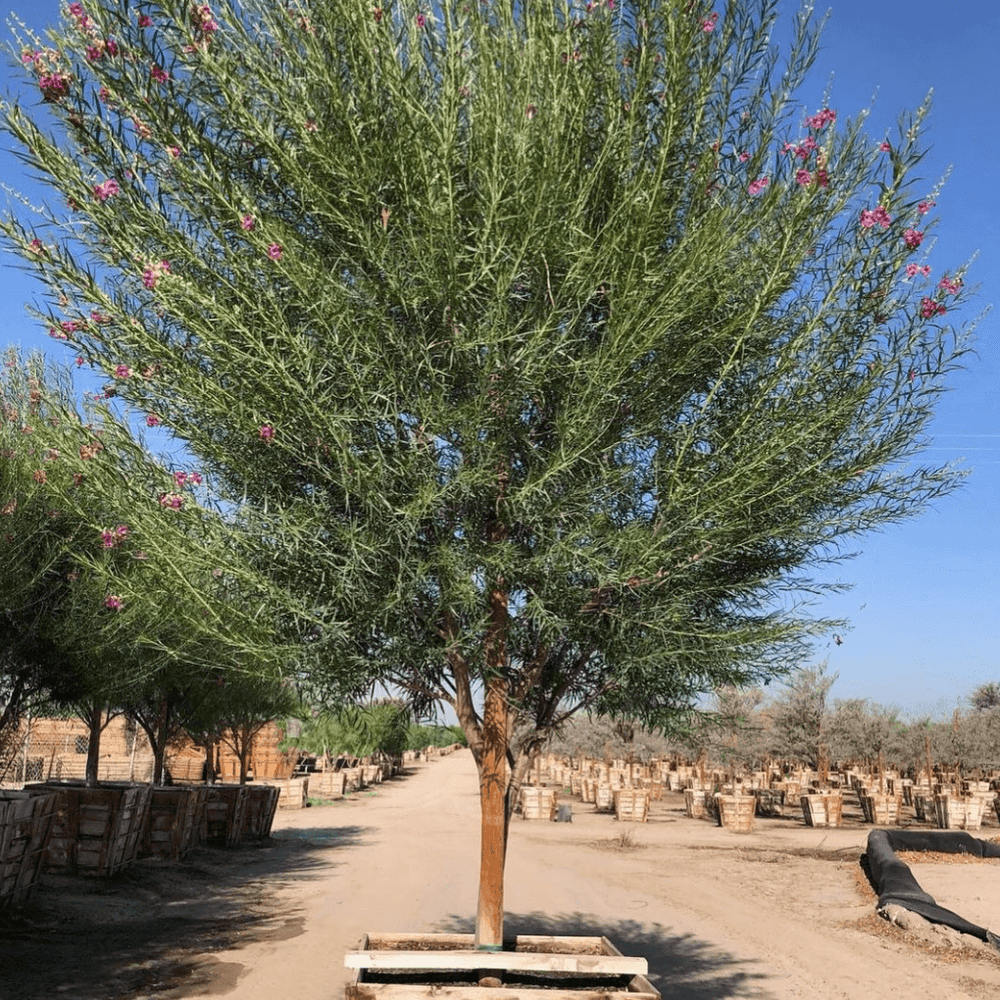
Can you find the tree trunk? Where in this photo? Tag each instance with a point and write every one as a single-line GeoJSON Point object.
{"type": "Point", "coordinates": [493, 803]}
{"type": "Point", "coordinates": [244, 740]}
{"type": "Point", "coordinates": [94, 716]}
{"type": "Point", "coordinates": [210, 760]}
{"type": "Point", "coordinates": [160, 743]}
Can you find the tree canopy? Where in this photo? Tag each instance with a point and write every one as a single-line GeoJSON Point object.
{"type": "Point", "coordinates": [549, 349]}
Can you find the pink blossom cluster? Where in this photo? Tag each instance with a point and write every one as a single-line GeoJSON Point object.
{"type": "Point", "coordinates": [145, 21]}
{"type": "Point", "coordinates": [54, 87]}
{"type": "Point", "coordinates": [925, 206]}
{"type": "Point", "coordinates": [101, 48]}
{"type": "Point", "coordinates": [247, 222]}
{"type": "Point", "coordinates": [184, 478]}
{"type": "Point", "coordinates": [914, 269]}
{"type": "Point", "coordinates": [152, 420]}
{"type": "Point", "coordinates": [929, 308]}
{"type": "Point", "coordinates": [36, 247]}
{"type": "Point", "coordinates": [755, 187]}
{"type": "Point", "coordinates": [203, 21]}
{"type": "Point", "coordinates": [266, 432]}
{"type": "Point", "coordinates": [876, 216]}
{"type": "Point", "coordinates": [821, 119]}
{"type": "Point", "coordinates": [106, 189]}
{"type": "Point", "coordinates": [913, 238]}
{"type": "Point", "coordinates": [153, 272]}
{"type": "Point", "coordinates": [112, 538]}
{"type": "Point", "coordinates": [173, 501]}
{"type": "Point", "coordinates": [114, 602]}
{"type": "Point", "coordinates": [951, 286]}
{"type": "Point", "coordinates": [275, 250]}
{"type": "Point", "coordinates": [709, 23]}
{"type": "Point", "coordinates": [123, 371]}
{"type": "Point", "coordinates": [159, 75]}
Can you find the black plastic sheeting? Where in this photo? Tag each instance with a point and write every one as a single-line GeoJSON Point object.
{"type": "Point", "coordinates": [894, 882]}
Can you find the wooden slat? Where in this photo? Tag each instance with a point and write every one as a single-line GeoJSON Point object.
{"type": "Point", "coordinates": [401, 991]}
{"type": "Point", "coordinates": [521, 961]}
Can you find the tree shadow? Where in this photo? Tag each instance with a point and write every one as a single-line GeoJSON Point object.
{"type": "Point", "coordinates": [149, 927]}
{"type": "Point", "coordinates": [681, 966]}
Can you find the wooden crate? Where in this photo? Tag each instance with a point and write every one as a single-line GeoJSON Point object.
{"type": "Point", "coordinates": [327, 784]}
{"type": "Point", "coordinates": [412, 966]}
{"type": "Point", "coordinates": [96, 831]}
{"type": "Point", "coordinates": [959, 812]}
{"type": "Point", "coordinates": [735, 812]}
{"type": "Point", "coordinates": [538, 803]}
{"type": "Point", "coordinates": [262, 804]}
{"type": "Point", "coordinates": [176, 818]}
{"type": "Point", "coordinates": [225, 815]}
{"type": "Point", "coordinates": [826, 809]}
{"type": "Point", "coordinates": [631, 805]}
{"type": "Point", "coordinates": [880, 808]}
{"type": "Point", "coordinates": [26, 820]}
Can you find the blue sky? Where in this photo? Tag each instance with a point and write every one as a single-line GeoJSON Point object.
{"type": "Point", "coordinates": [924, 608]}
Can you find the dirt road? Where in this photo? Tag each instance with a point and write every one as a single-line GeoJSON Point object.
{"type": "Point", "coordinates": [781, 913]}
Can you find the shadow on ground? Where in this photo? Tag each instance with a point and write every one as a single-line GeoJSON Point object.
{"type": "Point", "coordinates": [681, 966]}
{"type": "Point", "coordinates": [90, 938]}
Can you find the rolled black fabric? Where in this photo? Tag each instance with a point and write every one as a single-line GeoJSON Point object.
{"type": "Point", "coordinates": [894, 882]}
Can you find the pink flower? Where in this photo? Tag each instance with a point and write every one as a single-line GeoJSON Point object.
{"type": "Point", "coordinates": [171, 500]}
{"type": "Point", "coordinates": [145, 21]}
{"type": "Point", "coordinates": [114, 602]}
{"type": "Point", "coordinates": [266, 432]}
{"type": "Point", "coordinates": [914, 269]}
{"type": "Point", "coordinates": [99, 317]}
{"type": "Point", "coordinates": [36, 247]}
{"type": "Point", "coordinates": [152, 420]}
{"type": "Point", "coordinates": [743, 157]}
{"type": "Point", "coordinates": [755, 187]}
{"type": "Point", "coordinates": [421, 20]}
{"type": "Point", "coordinates": [875, 216]}
{"type": "Point", "coordinates": [803, 177]}
{"type": "Point", "coordinates": [925, 206]}
{"type": "Point", "coordinates": [709, 23]}
{"type": "Point", "coordinates": [123, 371]}
{"type": "Point", "coordinates": [247, 222]}
{"type": "Point", "coordinates": [174, 151]}
{"type": "Point", "coordinates": [159, 75]}
{"type": "Point", "coordinates": [274, 251]}
{"type": "Point", "coordinates": [106, 189]}
{"type": "Point", "coordinates": [950, 286]}
{"type": "Point", "coordinates": [821, 119]}
{"type": "Point", "coordinates": [822, 178]}
{"type": "Point", "coordinates": [913, 238]}
{"type": "Point", "coordinates": [929, 308]}
{"type": "Point", "coordinates": [885, 148]}
{"type": "Point", "coordinates": [54, 87]}
{"type": "Point", "coordinates": [154, 272]}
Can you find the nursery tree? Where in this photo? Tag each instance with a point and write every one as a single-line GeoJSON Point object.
{"type": "Point", "coordinates": [800, 719]}
{"type": "Point", "coordinates": [545, 347]}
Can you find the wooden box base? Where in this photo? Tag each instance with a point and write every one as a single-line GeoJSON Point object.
{"type": "Point", "coordinates": [446, 966]}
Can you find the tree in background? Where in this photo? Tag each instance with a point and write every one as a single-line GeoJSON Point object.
{"type": "Point", "coordinates": [546, 349]}
{"type": "Point", "coordinates": [799, 717]}
{"type": "Point", "coordinates": [986, 697]}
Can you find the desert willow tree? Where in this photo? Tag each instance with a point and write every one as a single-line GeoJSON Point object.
{"type": "Point", "coordinates": [548, 347]}
{"type": "Point", "coordinates": [118, 588]}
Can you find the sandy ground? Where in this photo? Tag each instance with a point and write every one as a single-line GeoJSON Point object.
{"type": "Point", "coordinates": [784, 912]}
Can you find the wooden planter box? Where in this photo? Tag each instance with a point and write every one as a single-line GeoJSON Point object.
{"type": "Point", "coordinates": [293, 793]}
{"type": "Point", "coordinates": [880, 808]}
{"type": "Point", "coordinates": [604, 799]}
{"type": "Point", "coordinates": [958, 812]}
{"type": "Point", "coordinates": [97, 831]}
{"type": "Point", "coordinates": [410, 966]}
{"type": "Point", "coordinates": [354, 779]}
{"type": "Point", "coordinates": [826, 809]}
{"type": "Point", "coordinates": [769, 801]}
{"type": "Point", "coordinates": [631, 805]}
{"type": "Point", "coordinates": [735, 812]}
{"type": "Point", "coordinates": [176, 818]}
{"type": "Point", "coordinates": [696, 803]}
{"type": "Point", "coordinates": [923, 806]}
{"type": "Point", "coordinates": [225, 815]}
{"type": "Point", "coordinates": [26, 820]}
{"type": "Point", "coordinates": [538, 803]}
{"type": "Point", "coordinates": [262, 804]}
{"type": "Point", "coordinates": [328, 784]}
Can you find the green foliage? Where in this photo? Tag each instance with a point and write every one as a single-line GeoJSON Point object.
{"type": "Point", "coordinates": [489, 333]}
{"type": "Point", "coordinates": [359, 731]}
{"type": "Point", "coordinates": [419, 737]}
